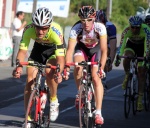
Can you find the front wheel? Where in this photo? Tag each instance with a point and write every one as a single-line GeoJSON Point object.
{"type": "Point", "coordinates": [127, 97]}
{"type": "Point", "coordinates": [86, 107]}
{"type": "Point", "coordinates": [31, 111]}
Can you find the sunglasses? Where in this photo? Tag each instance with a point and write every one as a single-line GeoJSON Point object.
{"type": "Point", "coordinates": [86, 20]}
{"type": "Point", "coordinates": [42, 28]}
{"type": "Point", "coordinates": [135, 27]}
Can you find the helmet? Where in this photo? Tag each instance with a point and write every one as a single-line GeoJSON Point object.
{"type": "Point", "coordinates": [42, 17]}
{"type": "Point", "coordinates": [147, 19]}
{"type": "Point", "coordinates": [101, 16]}
{"type": "Point", "coordinates": [135, 21]}
{"type": "Point", "coordinates": [87, 12]}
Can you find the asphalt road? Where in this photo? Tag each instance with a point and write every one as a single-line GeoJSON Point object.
{"type": "Point", "coordinates": [12, 109]}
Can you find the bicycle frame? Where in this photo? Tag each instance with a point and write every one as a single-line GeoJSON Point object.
{"type": "Point", "coordinates": [35, 98]}
{"type": "Point", "coordinates": [131, 91]}
{"type": "Point", "coordinates": [86, 95]}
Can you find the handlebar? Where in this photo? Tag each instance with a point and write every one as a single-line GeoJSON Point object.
{"type": "Point", "coordinates": [34, 63]}
{"type": "Point", "coordinates": [129, 57]}
{"type": "Point", "coordinates": [83, 63]}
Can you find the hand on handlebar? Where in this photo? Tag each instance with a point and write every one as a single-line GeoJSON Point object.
{"type": "Point", "coordinates": [117, 61]}
{"type": "Point", "coordinates": [66, 74]}
{"type": "Point", "coordinates": [17, 72]}
{"type": "Point", "coordinates": [101, 73]}
{"type": "Point", "coordinates": [58, 77]}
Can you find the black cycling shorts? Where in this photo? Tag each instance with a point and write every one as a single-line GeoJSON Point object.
{"type": "Point", "coordinates": [137, 48]}
{"type": "Point", "coordinates": [41, 53]}
{"type": "Point", "coordinates": [90, 54]}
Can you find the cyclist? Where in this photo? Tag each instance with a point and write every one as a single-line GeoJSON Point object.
{"type": "Point", "coordinates": [111, 35]}
{"type": "Point", "coordinates": [89, 39]}
{"type": "Point", "coordinates": [147, 20]}
{"type": "Point", "coordinates": [111, 40]}
{"type": "Point", "coordinates": [48, 48]}
{"type": "Point", "coordinates": [135, 42]}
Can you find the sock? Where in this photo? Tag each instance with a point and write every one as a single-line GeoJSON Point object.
{"type": "Point", "coordinates": [54, 99]}
{"type": "Point", "coordinates": [98, 111]}
{"type": "Point", "coordinates": [140, 97]}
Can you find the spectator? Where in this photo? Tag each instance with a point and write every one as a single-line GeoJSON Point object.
{"type": "Point", "coordinates": [17, 30]}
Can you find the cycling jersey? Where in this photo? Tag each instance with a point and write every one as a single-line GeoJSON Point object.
{"type": "Point", "coordinates": [142, 37]}
{"type": "Point", "coordinates": [89, 39]}
{"type": "Point", "coordinates": [111, 30]}
{"type": "Point", "coordinates": [53, 37]}
{"type": "Point", "coordinates": [88, 43]}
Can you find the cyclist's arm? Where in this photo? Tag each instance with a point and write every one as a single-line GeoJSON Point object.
{"type": "Point", "coordinates": [103, 48]}
{"type": "Point", "coordinates": [147, 40]}
{"type": "Point", "coordinates": [70, 49]}
{"type": "Point", "coordinates": [124, 37]}
{"type": "Point", "coordinates": [21, 55]}
{"type": "Point", "coordinates": [113, 43]}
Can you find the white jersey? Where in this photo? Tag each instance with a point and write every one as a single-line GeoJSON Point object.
{"type": "Point", "coordinates": [15, 25]}
{"type": "Point", "coordinates": [90, 39]}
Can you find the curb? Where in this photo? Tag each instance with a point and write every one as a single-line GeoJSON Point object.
{"type": "Point", "coordinates": [5, 63]}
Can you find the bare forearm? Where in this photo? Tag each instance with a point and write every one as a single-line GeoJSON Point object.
{"type": "Point", "coordinates": [21, 55]}
{"type": "Point", "coordinates": [69, 56]}
{"type": "Point", "coordinates": [103, 58]}
{"type": "Point", "coordinates": [113, 49]}
{"type": "Point", "coordinates": [61, 62]}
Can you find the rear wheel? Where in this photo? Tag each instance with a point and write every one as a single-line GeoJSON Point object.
{"type": "Point", "coordinates": [127, 97]}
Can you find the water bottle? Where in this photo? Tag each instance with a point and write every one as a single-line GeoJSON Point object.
{"type": "Point", "coordinates": [43, 100]}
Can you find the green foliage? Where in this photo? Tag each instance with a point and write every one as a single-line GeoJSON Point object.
{"type": "Point", "coordinates": [121, 11]}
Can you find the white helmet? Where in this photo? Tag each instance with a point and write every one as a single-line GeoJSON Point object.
{"type": "Point", "coordinates": [42, 17]}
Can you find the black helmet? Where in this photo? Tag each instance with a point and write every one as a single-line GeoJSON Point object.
{"type": "Point", "coordinates": [87, 12]}
{"type": "Point", "coordinates": [101, 16]}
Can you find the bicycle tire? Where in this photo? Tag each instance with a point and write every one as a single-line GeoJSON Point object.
{"type": "Point", "coordinates": [31, 110]}
{"type": "Point", "coordinates": [147, 93]}
{"type": "Point", "coordinates": [127, 97]}
{"type": "Point", "coordinates": [85, 120]}
{"type": "Point", "coordinates": [45, 116]}
{"type": "Point", "coordinates": [134, 96]}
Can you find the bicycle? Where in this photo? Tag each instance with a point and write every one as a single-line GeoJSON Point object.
{"type": "Point", "coordinates": [86, 96]}
{"type": "Point", "coordinates": [131, 90]}
{"type": "Point", "coordinates": [147, 88]}
{"type": "Point", "coordinates": [38, 98]}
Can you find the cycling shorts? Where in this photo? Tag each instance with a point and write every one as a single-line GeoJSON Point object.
{"type": "Point", "coordinates": [137, 49]}
{"type": "Point", "coordinates": [41, 53]}
{"type": "Point", "coordinates": [90, 54]}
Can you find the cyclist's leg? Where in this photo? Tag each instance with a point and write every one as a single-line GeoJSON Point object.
{"type": "Point", "coordinates": [141, 76]}
{"type": "Point", "coordinates": [31, 74]}
{"type": "Point", "coordinates": [54, 105]}
{"type": "Point", "coordinates": [98, 89]}
{"type": "Point", "coordinates": [78, 57]}
{"type": "Point", "coordinates": [129, 51]}
{"type": "Point", "coordinates": [141, 84]}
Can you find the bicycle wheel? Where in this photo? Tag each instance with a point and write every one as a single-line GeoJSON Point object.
{"type": "Point", "coordinates": [147, 93]}
{"type": "Point", "coordinates": [45, 115]}
{"type": "Point", "coordinates": [127, 97]}
{"type": "Point", "coordinates": [85, 109]}
{"type": "Point", "coordinates": [134, 95]}
{"type": "Point", "coordinates": [32, 111]}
